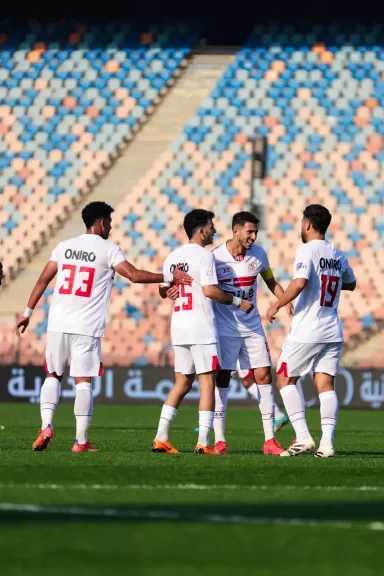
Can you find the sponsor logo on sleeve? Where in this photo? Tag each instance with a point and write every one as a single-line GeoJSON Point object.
{"type": "Point", "coordinates": [301, 266]}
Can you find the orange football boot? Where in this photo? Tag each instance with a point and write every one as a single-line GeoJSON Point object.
{"type": "Point", "coordinates": [164, 446]}
{"type": "Point", "coordinates": [209, 450]}
{"type": "Point", "coordinates": [43, 438]}
{"type": "Point", "coordinates": [86, 447]}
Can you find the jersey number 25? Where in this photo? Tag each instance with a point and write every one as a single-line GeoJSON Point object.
{"type": "Point", "coordinates": [187, 299]}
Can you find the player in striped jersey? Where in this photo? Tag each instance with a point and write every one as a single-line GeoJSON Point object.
{"type": "Point", "coordinates": [241, 338]}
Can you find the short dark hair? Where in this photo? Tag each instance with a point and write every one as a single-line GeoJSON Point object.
{"type": "Point", "coordinates": [196, 219]}
{"type": "Point", "coordinates": [319, 216]}
{"type": "Point", "coordinates": [240, 218]}
{"type": "Point", "coordinates": [95, 211]}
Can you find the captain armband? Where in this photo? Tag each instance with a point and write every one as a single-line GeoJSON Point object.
{"type": "Point", "coordinates": [267, 274]}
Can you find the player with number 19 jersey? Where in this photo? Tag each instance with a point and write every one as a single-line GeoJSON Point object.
{"type": "Point", "coordinates": [315, 341]}
{"type": "Point", "coordinates": [315, 316]}
{"type": "Point", "coordinates": [83, 284]}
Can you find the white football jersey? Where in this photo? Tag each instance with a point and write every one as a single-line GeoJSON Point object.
{"type": "Point", "coordinates": [83, 284]}
{"type": "Point", "coordinates": [326, 268]}
{"type": "Point", "coordinates": [192, 317]}
{"type": "Point", "coordinates": [239, 277]}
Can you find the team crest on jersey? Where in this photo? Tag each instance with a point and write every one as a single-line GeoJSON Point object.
{"type": "Point", "coordinates": [253, 266]}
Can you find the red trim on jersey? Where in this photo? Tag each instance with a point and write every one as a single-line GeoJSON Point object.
{"type": "Point", "coordinates": [244, 281]}
{"type": "Point", "coordinates": [215, 364]}
{"type": "Point", "coordinates": [283, 370]}
{"type": "Point", "coordinates": [101, 369]}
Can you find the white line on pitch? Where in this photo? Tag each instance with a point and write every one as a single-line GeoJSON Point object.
{"type": "Point", "coordinates": [181, 487]}
{"type": "Point", "coordinates": [214, 518]}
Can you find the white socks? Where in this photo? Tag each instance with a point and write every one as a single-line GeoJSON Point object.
{"type": "Point", "coordinates": [266, 409]}
{"type": "Point", "coordinates": [253, 391]}
{"type": "Point", "coordinates": [221, 401]}
{"type": "Point", "coordinates": [205, 424]}
{"type": "Point", "coordinates": [166, 416]}
{"type": "Point", "coordinates": [295, 408]}
{"type": "Point", "coordinates": [83, 410]}
{"type": "Point", "coordinates": [49, 399]}
{"type": "Point", "coordinates": [328, 416]}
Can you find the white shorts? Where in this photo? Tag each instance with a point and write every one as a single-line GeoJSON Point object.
{"type": "Point", "coordinates": [244, 353]}
{"type": "Point", "coordinates": [81, 353]}
{"type": "Point", "coordinates": [298, 358]}
{"type": "Point", "coordinates": [196, 358]}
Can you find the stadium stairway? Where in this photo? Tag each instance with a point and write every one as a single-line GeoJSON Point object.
{"type": "Point", "coordinates": [165, 123]}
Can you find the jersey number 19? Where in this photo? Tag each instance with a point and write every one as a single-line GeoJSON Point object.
{"type": "Point", "coordinates": [329, 286]}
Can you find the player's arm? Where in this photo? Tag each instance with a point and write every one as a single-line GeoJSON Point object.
{"type": "Point", "coordinates": [294, 289]}
{"type": "Point", "coordinates": [215, 293]}
{"type": "Point", "coordinates": [169, 291]}
{"type": "Point", "coordinates": [44, 279]}
{"type": "Point", "coordinates": [274, 286]}
{"type": "Point", "coordinates": [348, 279]}
{"type": "Point", "coordinates": [351, 286]}
{"type": "Point", "coordinates": [128, 270]}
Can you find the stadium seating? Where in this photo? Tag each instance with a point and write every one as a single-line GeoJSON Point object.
{"type": "Point", "coordinates": [71, 96]}
{"type": "Point", "coordinates": [318, 97]}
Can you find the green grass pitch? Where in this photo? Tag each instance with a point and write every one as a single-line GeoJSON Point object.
{"type": "Point", "coordinates": [124, 510]}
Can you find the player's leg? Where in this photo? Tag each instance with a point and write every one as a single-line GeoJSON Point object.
{"type": "Point", "coordinates": [85, 365]}
{"type": "Point", "coordinates": [183, 384]}
{"type": "Point", "coordinates": [206, 362]}
{"type": "Point", "coordinates": [254, 353]}
{"type": "Point", "coordinates": [206, 411]}
{"type": "Point", "coordinates": [184, 377]}
{"type": "Point", "coordinates": [325, 370]}
{"type": "Point", "coordinates": [223, 378]}
{"type": "Point", "coordinates": [263, 379]}
{"type": "Point", "coordinates": [296, 360]}
{"type": "Point", "coordinates": [228, 349]}
{"type": "Point", "coordinates": [55, 362]}
{"type": "Point", "coordinates": [280, 418]}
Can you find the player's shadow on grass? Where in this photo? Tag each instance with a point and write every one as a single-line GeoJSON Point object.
{"type": "Point", "coordinates": [280, 513]}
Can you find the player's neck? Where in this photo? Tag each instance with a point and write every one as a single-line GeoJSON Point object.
{"type": "Point", "coordinates": [197, 241]}
{"type": "Point", "coordinates": [315, 236]}
{"type": "Point", "coordinates": [235, 248]}
{"type": "Point", "coordinates": [92, 230]}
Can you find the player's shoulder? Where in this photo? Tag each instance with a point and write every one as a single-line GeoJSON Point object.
{"type": "Point", "coordinates": [306, 248]}
{"type": "Point", "coordinates": [73, 241]}
{"type": "Point", "coordinates": [257, 251]}
{"type": "Point", "coordinates": [219, 250]}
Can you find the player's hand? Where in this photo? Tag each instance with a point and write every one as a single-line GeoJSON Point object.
{"type": "Point", "coordinates": [272, 312]}
{"type": "Point", "coordinates": [173, 292]}
{"type": "Point", "coordinates": [22, 325]}
{"type": "Point", "coordinates": [180, 277]}
{"type": "Point", "coordinates": [246, 306]}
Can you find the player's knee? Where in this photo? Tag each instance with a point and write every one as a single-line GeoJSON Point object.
{"type": "Point", "coordinates": [263, 377]}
